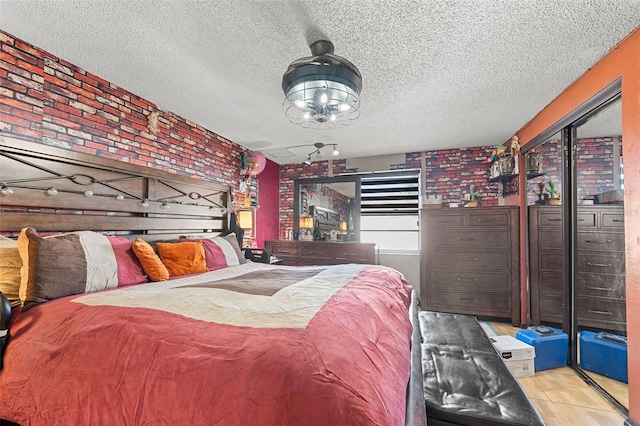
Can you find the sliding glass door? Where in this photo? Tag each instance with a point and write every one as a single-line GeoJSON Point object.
{"type": "Point", "coordinates": [599, 305]}
{"type": "Point", "coordinates": [577, 241]}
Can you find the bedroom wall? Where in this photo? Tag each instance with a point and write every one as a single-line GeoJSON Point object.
{"type": "Point", "coordinates": [448, 173]}
{"type": "Point", "coordinates": [47, 100]}
{"type": "Point", "coordinates": [623, 61]}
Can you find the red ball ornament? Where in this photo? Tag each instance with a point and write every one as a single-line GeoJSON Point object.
{"type": "Point", "coordinates": [256, 162]}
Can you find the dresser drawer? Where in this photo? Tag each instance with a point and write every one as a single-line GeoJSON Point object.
{"type": "Point", "coordinates": [354, 254]}
{"type": "Point", "coordinates": [493, 220]}
{"type": "Point", "coordinates": [479, 303]}
{"type": "Point", "coordinates": [475, 261]}
{"type": "Point", "coordinates": [551, 283]}
{"type": "Point", "coordinates": [489, 281]}
{"type": "Point", "coordinates": [547, 219]}
{"type": "Point", "coordinates": [551, 308]}
{"type": "Point", "coordinates": [598, 310]}
{"type": "Point", "coordinates": [550, 260]}
{"type": "Point", "coordinates": [600, 263]}
{"type": "Point", "coordinates": [461, 238]}
{"type": "Point", "coordinates": [316, 252]}
{"type": "Point", "coordinates": [548, 239]}
{"type": "Point", "coordinates": [586, 220]}
{"type": "Point", "coordinates": [613, 220]}
{"type": "Point", "coordinates": [601, 241]}
{"type": "Point", "coordinates": [601, 285]}
{"type": "Point", "coordinates": [437, 221]}
{"type": "Point", "coordinates": [283, 250]}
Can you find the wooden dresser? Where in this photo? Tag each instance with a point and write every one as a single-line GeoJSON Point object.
{"type": "Point", "coordinates": [469, 261]}
{"type": "Point", "coordinates": [600, 266]}
{"type": "Point", "coordinates": [301, 253]}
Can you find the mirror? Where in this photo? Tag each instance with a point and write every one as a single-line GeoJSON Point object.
{"type": "Point", "coordinates": [599, 285]}
{"type": "Point", "coordinates": [577, 242]}
{"type": "Point", "coordinates": [327, 209]}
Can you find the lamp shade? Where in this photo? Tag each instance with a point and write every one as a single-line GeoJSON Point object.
{"type": "Point", "coordinates": [306, 222]}
{"type": "Point", "coordinates": [323, 90]}
{"type": "Point", "coordinates": [245, 219]}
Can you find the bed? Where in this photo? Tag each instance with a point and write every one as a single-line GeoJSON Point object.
{"type": "Point", "coordinates": [233, 343]}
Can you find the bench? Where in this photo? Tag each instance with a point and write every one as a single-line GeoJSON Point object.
{"type": "Point", "coordinates": [465, 380]}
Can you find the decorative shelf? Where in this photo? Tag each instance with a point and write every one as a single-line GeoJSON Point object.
{"type": "Point", "coordinates": [535, 175]}
{"type": "Point", "coordinates": [502, 178]}
{"type": "Point", "coordinates": [509, 184]}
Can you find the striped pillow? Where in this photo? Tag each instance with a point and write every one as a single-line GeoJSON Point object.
{"type": "Point", "coordinates": [66, 264]}
{"type": "Point", "coordinates": [221, 252]}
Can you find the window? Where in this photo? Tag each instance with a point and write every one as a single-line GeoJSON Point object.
{"type": "Point", "coordinates": [389, 210]}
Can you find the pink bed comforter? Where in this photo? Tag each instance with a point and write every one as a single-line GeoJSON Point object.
{"type": "Point", "coordinates": [246, 345]}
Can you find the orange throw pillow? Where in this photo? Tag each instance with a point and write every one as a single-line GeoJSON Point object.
{"type": "Point", "coordinates": [183, 258]}
{"type": "Point", "coordinates": [151, 263]}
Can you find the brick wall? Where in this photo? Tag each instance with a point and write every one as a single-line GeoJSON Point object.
{"type": "Point", "coordinates": [594, 166]}
{"type": "Point", "coordinates": [47, 100]}
{"type": "Point", "coordinates": [448, 173]}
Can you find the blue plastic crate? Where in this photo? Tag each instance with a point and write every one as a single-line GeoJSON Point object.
{"type": "Point", "coordinates": [605, 354]}
{"type": "Point", "coordinates": [551, 346]}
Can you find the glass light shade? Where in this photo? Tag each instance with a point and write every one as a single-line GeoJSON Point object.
{"type": "Point", "coordinates": [306, 222]}
{"type": "Point", "coordinates": [245, 219]}
{"type": "Point", "coordinates": [322, 91]}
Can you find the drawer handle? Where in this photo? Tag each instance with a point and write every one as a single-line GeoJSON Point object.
{"type": "Point", "coordinates": [493, 219]}
{"type": "Point", "coordinates": [463, 299]}
{"type": "Point", "coordinates": [284, 251]}
{"type": "Point", "coordinates": [555, 219]}
{"type": "Point", "coordinates": [581, 220]}
{"type": "Point", "coordinates": [599, 265]}
{"type": "Point", "coordinates": [597, 241]}
{"type": "Point", "coordinates": [468, 279]}
{"type": "Point", "coordinates": [591, 311]}
{"type": "Point", "coordinates": [465, 239]}
{"type": "Point", "coordinates": [600, 288]}
{"type": "Point", "coordinates": [617, 220]}
{"type": "Point", "coordinates": [447, 220]}
{"type": "Point", "coordinates": [467, 259]}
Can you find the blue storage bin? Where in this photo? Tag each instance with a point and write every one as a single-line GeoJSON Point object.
{"type": "Point", "coordinates": [605, 354]}
{"type": "Point", "coordinates": [551, 346]}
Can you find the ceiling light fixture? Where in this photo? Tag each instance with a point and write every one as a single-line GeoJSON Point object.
{"type": "Point", "coordinates": [322, 91]}
{"type": "Point", "coordinates": [318, 146]}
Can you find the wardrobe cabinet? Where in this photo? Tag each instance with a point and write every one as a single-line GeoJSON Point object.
{"type": "Point", "coordinates": [469, 261]}
{"type": "Point", "coordinates": [600, 266]}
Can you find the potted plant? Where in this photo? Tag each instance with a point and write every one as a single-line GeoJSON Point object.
{"type": "Point", "coordinates": [554, 194]}
{"type": "Point", "coordinates": [471, 197]}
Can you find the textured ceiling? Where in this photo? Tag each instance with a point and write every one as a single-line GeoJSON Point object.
{"type": "Point", "coordinates": [436, 74]}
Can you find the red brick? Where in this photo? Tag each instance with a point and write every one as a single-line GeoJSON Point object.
{"type": "Point", "coordinates": [68, 109]}
{"type": "Point", "coordinates": [25, 47]}
{"type": "Point", "coordinates": [80, 148]}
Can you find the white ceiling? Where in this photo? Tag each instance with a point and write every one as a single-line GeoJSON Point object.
{"type": "Point", "coordinates": [436, 74]}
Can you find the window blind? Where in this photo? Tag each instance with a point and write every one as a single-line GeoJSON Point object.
{"type": "Point", "coordinates": [392, 193]}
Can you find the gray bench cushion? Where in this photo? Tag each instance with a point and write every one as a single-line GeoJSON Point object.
{"type": "Point", "coordinates": [465, 380]}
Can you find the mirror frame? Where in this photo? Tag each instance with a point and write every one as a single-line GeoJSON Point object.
{"type": "Point", "coordinates": [327, 180]}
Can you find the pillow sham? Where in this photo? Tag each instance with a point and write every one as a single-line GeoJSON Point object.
{"type": "Point", "coordinates": [10, 264]}
{"type": "Point", "coordinates": [150, 261]}
{"type": "Point", "coordinates": [62, 265]}
{"type": "Point", "coordinates": [130, 270]}
{"type": "Point", "coordinates": [221, 252]}
{"type": "Point", "coordinates": [186, 257]}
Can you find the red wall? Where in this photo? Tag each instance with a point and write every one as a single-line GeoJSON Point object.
{"type": "Point", "coordinates": [269, 201]}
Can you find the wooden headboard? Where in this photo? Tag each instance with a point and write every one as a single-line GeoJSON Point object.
{"type": "Point", "coordinates": [57, 190]}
